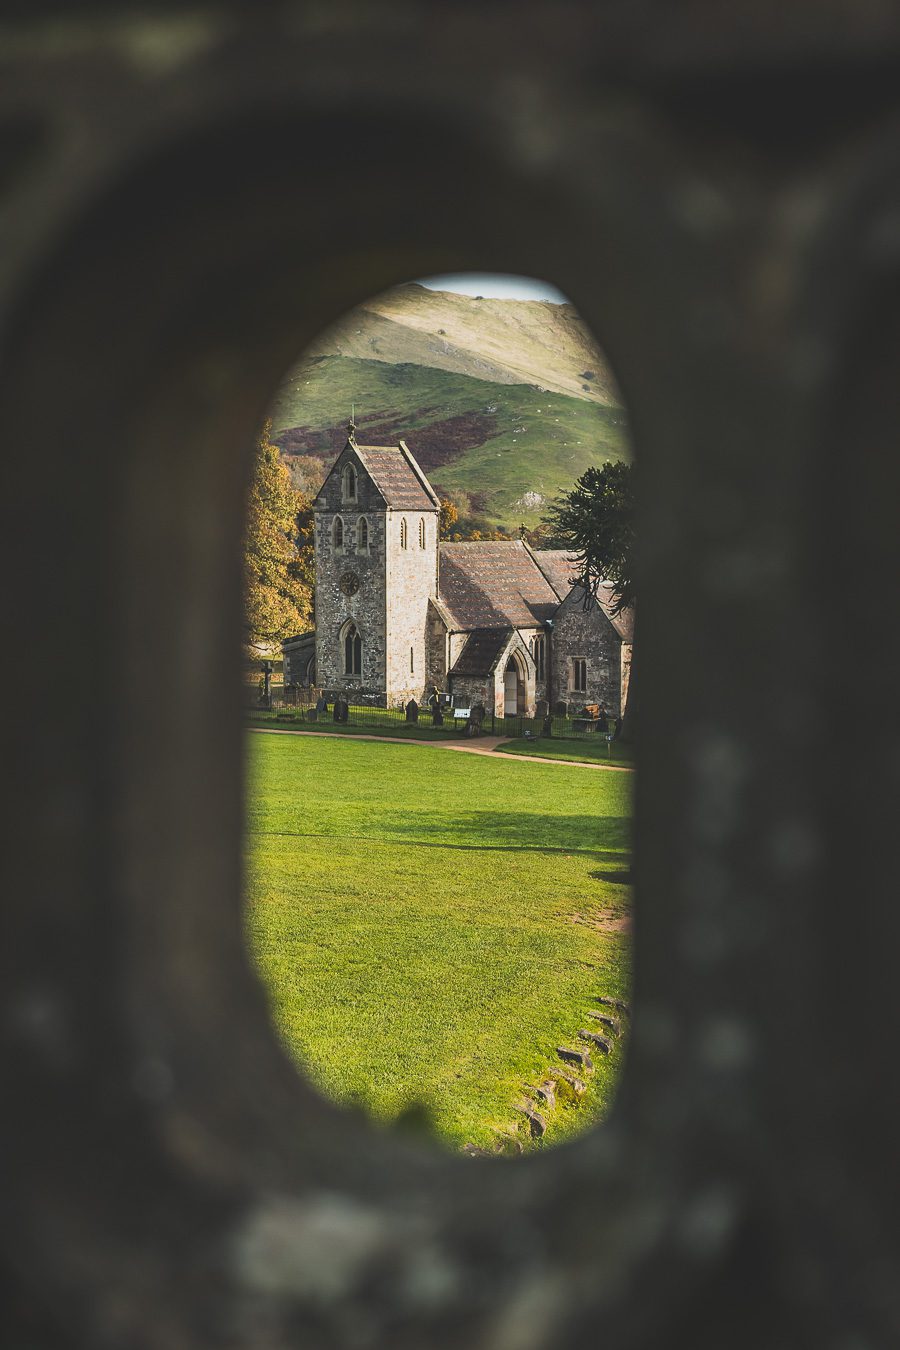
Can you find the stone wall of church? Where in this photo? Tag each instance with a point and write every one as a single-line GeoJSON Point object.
{"type": "Point", "coordinates": [589, 636]}
{"type": "Point", "coordinates": [410, 581]}
{"type": "Point", "coordinates": [350, 585]}
{"type": "Point", "coordinates": [437, 643]}
{"type": "Point", "coordinates": [471, 689]}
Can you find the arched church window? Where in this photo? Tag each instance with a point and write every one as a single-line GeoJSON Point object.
{"type": "Point", "coordinates": [403, 533]}
{"type": "Point", "coordinates": [421, 532]}
{"type": "Point", "coordinates": [349, 484]}
{"type": "Point", "coordinates": [338, 533]}
{"type": "Point", "coordinates": [352, 651]}
{"type": "Point", "coordinates": [362, 536]}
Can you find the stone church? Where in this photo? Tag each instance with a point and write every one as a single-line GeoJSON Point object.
{"type": "Point", "coordinates": [398, 611]}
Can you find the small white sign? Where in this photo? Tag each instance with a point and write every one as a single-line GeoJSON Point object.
{"type": "Point", "coordinates": [462, 712]}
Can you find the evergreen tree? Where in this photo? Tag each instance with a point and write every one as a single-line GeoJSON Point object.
{"type": "Point", "coordinates": [596, 522]}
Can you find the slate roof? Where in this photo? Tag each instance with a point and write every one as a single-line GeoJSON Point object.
{"type": "Point", "coordinates": [623, 623]}
{"type": "Point", "coordinates": [481, 651]}
{"type": "Point", "coordinates": [559, 567]}
{"type": "Point", "coordinates": [494, 584]}
{"type": "Point", "coordinates": [398, 477]}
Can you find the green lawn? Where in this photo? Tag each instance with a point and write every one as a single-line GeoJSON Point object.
{"type": "Point", "coordinates": [431, 925]}
{"type": "Point", "coordinates": [584, 749]}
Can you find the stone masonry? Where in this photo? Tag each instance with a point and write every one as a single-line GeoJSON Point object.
{"type": "Point", "coordinates": [376, 569]}
{"type": "Point", "coordinates": [492, 622]}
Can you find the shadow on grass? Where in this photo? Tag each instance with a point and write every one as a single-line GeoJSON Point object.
{"type": "Point", "coordinates": [391, 841]}
{"type": "Point", "coordinates": [512, 830]}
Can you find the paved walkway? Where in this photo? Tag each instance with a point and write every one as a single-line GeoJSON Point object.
{"type": "Point", "coordinates": [487, 745]}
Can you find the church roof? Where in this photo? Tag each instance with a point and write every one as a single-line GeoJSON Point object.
{"type": "Point", "coordinates": [560, 568]}
{"type": "Point", "coordinates": [397, 477]}
{"type": "Point", "coordinates": [494, 584]}
{"type": "Point", "coordinates": [481, 651]}
{"type": "Point", "coordinates": [623, 623]}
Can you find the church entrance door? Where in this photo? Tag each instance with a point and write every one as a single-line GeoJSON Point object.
{"type": "Point", "coordinates": [511, 691]}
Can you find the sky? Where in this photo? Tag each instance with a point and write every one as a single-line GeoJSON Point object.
{"type": "Point", "coordinates": [497, 285]}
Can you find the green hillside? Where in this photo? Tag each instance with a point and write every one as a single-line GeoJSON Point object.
{"type": "Point", "coordinates": [511, 447]}
{"type": "Point", "coordinates": [503, 402]}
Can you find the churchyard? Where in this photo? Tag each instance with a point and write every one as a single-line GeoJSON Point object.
{"type": "Point", "coordinates": [521, 735]}
{"type": "Point", "coordinates": [432, 928]}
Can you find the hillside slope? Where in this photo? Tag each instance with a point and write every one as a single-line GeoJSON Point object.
{"type": "Point", "coordinates": [506, 341]}
{"type": "Point", "coordinates": [503, 402]}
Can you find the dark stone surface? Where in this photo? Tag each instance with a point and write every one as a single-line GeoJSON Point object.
{"type": "Point", "coordinates": [190, 195]}
{"type": "Point", "coordinates": [536, 1122]}
{"type": "Point", "coordinates": [547, 1093]}
{"type": "Point", "coordinates": [574, 1056]}
{"type": "Point", "coordinates": [599, 1042]}
{"type": "Point", "coordinates": [570, 1083]}
{"type": "Point", "coordinates": [606, 999]}
{"type": "Point", "coordinates": [615, 1026]}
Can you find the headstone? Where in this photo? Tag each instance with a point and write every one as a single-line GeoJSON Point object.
{"type": "Point", "coordinates": [613, 1023]}
{"type": "Point", "coordinates": [266, 694]}
{"type": "Point", "coordinates": [542, 707]}
{"type": "Point", "coordinates": [560, 709]}
{"type": "Point", "coordinates": [412, 711]}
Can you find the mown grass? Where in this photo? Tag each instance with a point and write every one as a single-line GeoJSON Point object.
{"type": "Point", "coordinates": [427, 924]}
{"type": "Point", "coordinates": [583, 750]}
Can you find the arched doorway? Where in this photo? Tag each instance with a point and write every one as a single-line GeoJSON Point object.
{"type": "Point", "coordinates": [513, 690]}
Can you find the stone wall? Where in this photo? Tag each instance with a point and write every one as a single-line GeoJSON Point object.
{"type": "Point", "coordinates": [471, 689]}
{"type": "Point", "coordinates": [190, 194]}
{"type": "Point", "coordinates": [437, 648]}
{"type": "Point", "coordinates": [589, 634]}
{"type": "Point", "coordinates": [411, 581]}
{"type": "Point", "coordinates": [298, 653]}
{"type": "Point", "coordinates": [366, 606]}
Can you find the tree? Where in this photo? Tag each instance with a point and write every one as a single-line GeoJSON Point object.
{"type": "Point", "coordinates": [307, 473]}
{"type": "Point", "coordinates": [447, 518]}
{"type": "Point", "coordinates": [277, 576]}
{"type": "Point", "coordinates": [596, 522]}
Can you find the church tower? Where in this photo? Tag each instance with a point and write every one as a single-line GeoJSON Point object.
{"type": "Point", "coordinates": [376, 544]}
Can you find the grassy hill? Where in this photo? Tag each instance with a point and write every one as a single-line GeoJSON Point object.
{"type": "Point", "coordinates": [505, 401]}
